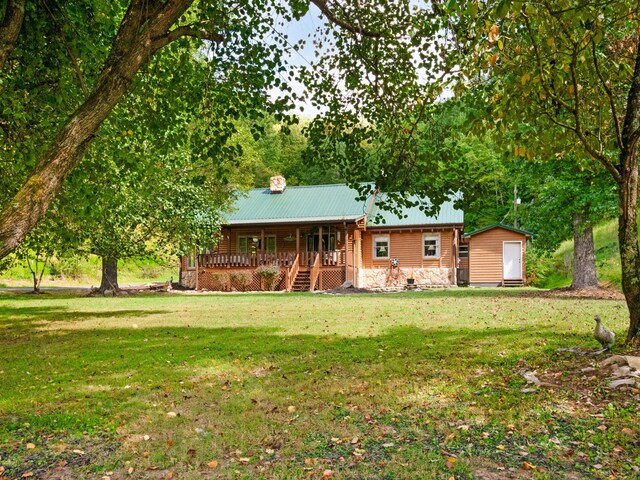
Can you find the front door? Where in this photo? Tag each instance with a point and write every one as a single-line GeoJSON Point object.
{"type": "Point", "coordinates": [512, 260]}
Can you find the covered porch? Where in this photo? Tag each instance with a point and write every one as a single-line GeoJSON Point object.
{"type": "Point", "coordinates": [309, 257]}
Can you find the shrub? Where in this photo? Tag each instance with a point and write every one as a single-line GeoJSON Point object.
{"type": "Point", "coordinates": [242, 278]}
{"type": "Point", "coordinates": [219, 280]}
{"type": "Point", "coordinates": [539, 266]}
{"type": "Point", "coordinates": [69, 267]}
{"type": "Point", "coordinates": [268, 274]}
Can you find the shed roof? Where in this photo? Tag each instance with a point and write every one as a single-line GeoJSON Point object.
{"type": "Point", "coordinates": [499, 225]}
{"type": "Point", "coordinates": [328, 203]}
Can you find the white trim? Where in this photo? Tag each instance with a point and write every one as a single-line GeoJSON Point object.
{"type": "Point", "coordinates": [520, 275]}
{"type": "Point", "coordinates": [388, 240]}
{"type": "Point", "coordinates": [438, 238]}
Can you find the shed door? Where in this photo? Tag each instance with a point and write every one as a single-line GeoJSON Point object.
{"type": "Point", "coordinates": [512, 260]}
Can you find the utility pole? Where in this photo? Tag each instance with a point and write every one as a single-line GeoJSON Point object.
{"type": "Point", "coordinates": [516, 201]}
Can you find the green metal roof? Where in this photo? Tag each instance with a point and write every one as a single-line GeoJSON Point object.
{"type": "Point", "coordinates": [327, 203]}
{"type": "Point", "coordinates": [410, 216]}
{"type": "Point", "coordinates": [317, 203]}
{"type": "Point", "coordinates": [498, 225]}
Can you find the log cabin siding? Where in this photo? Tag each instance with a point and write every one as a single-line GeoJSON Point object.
{"type": "Point", "coordinates": [230, 235]}
{"type": "Point", "coordinates": [407, 248]}
{"type": "Point", "coordinates": [485, 254]}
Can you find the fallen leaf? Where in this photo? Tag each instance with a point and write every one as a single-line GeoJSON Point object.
{"type": "Point", "coordinates": [244, 460]}
{"type": "Point", "coordinates": [172, 414]}
{"type": "Point", "coordinates": [327, 474]}
{"type": "Point", "coordinates": [450, 462]}
{"type": "Point", "coordinates": [31, 446]}
{"type": "Point", "coordinates": [146, 438]}
{"type": "Point", "coordinates": [291, 409]}
{"type": "Point", "coordinates": [145, 454]}
{"type": "Point", "coordinates": [79, 452]}
{"type": "Point", "coordinates": [354, 440]}
{"type": "Point", "coordinates": [27, 475]}
{"type": "Point", "coordinates": [500, 447]}
{"type": "Point", "coordinates": [212, 464]}
{"type": "Point", "coordinates": [308, 461]}
{"type": "Point", "coordinates": [169, 442]}
{"type": "Point", "coordinates": [628, 431]}
{"type": "Point", "coordinates": [528, 466]}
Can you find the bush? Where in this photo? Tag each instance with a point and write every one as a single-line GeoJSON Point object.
{"type": "Point", "coordinates": [69, 267]}
{"type": "Point", "coordinates": [540, 265]}
{"type": "Point", "coordinates": [219, 280]}
{"type": "Point", "coordinates": [242, 278]}
{"type": "Point", "coordinates": [268, 274]}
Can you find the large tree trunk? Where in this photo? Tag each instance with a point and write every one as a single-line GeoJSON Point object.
{"type": "Point", "coordinates": [10, 27]}
{"type": "Point", "coordinates": [629, 251]}
{"type": "Point", "coordinates": [584, 256]}
{"type": "Point", "coordinates": [628, 204]}
{"type": "Point", "coordinates": [109, 275]}
{"type": "Point", "coordinates": [144, 29]}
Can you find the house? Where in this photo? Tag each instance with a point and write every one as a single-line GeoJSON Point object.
{"type": "Point", "coordinates": [496, 256]}
{"type": "Point", "coordinates": [324, 235]}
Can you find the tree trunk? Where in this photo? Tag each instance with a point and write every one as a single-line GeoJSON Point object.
{"type": "Point", "coordinates": [36, 282]}
{"type": "Point", "coordinates": [584, 256]}
{"type": "Point", "coordinates": [142, 32]}
{"type": "Point", "coordinates": [10, 27]}
{"type": "Point", "coordinates": [109, 275]}
{"type": "Point", "coordinates": [628, 204]}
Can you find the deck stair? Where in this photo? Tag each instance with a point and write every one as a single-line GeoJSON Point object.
{"type": "Point", "coordinates": [302, 281]}
{"type": "Point", "coordinates": [512, 283]}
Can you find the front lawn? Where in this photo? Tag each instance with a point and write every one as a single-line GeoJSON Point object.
{"type": "Point", "coordinates": [416, 385]}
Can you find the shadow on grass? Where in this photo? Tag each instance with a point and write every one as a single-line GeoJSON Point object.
{"type": "Point", "coordinates": [24, 317]}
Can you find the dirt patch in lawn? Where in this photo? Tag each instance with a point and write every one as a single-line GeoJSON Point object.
{"type": "Point", "coordinates": [581, 373]}
{"type": "Point", "coordinates": [600, 293]}
{"type": "Point", "coordinates": [54, 457]}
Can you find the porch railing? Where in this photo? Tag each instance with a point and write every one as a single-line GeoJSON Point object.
{"type": "Point", "coordinates": [293, 273]}
{"type": "Point", "coordinates": [329, 258]}
{"type": "Point", "coordinates": [315, 271]}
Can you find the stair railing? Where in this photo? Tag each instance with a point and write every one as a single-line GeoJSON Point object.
{"type": "Point", "coordinates": [293, 273]}
{"type": "Point", "coordinates": [315, 271]}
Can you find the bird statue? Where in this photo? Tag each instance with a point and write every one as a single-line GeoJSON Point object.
{"type": "Point", "coordinates": [606, 337]}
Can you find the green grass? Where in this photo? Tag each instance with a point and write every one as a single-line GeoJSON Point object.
{"type": "Point", "coordinates": [605, 238]}
{"type": "Point", "coordinates": [80, 271]}
{"type": "Point", "coordinates": [274, 386]}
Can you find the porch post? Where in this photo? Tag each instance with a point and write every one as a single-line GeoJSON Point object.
{"type": "Point", "coordinates": [321, 259]}
{"type": "Point", "coordinates": [297, 240]}
{"type": "Point", "coordinates": [346, 252]}
{"type": "Point", "coordinates": [261, 244]}
{"type": "Point", "coordinates": [228, 249]}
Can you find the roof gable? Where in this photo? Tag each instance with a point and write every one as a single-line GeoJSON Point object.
{"type": "Point", "coordinates": [498, 225]}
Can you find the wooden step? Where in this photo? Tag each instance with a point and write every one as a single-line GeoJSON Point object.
{"type": "Point", "coordinates": [513, 283]}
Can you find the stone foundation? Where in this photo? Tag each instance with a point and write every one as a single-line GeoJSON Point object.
{"type": "Point", "coordinates": [385, 278]}
{"type": "Point", "coordinates": [188, 278]}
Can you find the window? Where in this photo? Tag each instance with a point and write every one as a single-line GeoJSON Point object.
{"type": "Point", "coordinates": [381, 247]}
{"type": "Point", "coordinates": [431, 245]}
{"type": "Point", "coordinates": [191, 261]}
{"type": "Point", "coordinates": [243, 244]}
{"type": "Point", "coordinates": [270, 244]}
{"type": "Point", "coordinates": [251, 244]}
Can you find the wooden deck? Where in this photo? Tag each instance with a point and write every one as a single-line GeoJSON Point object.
{"type": "Point", "coordinates": [318, 269]}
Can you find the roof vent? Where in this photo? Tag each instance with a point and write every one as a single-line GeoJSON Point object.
{"type": "Point", "coordinates": [277, 184]}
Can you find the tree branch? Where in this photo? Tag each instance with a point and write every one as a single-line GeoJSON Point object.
{"type": "Point", "coordinates": [10, 28]}
{"type": "Point", "coordinates": [186, 31]}
{"type": "Point", "coordinates": [350, 27]}
{"type": "Point", "coordinates": [612, 103]}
